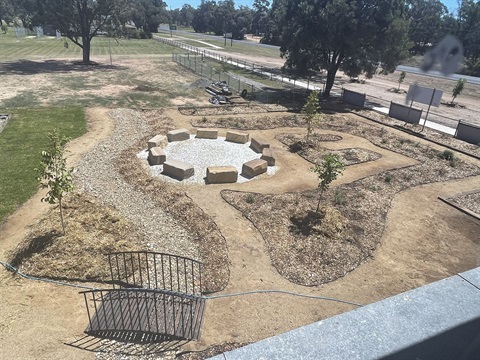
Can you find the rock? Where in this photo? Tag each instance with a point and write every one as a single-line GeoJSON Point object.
{"type": "Point", "coordinates": [269, 156]}
{"type": "Point", "coordinates": [258, 144]}
{"type": "Point", "coordinates": [221, 174]}
{"type": "Point", "coordinates": [178, 169]}
{"type": "Point", "coordinates": [155, 141]}
{"type": "Point", "coordinates": [253, 168]}
{"type": "Point", "coordinates": [156, 156]}
{"type": "Point", "coordinates": [178, 135]}
{"type": "Point", "coordinates": [207, 133]}
{"type": "Point", "coordinates": [237, 137]}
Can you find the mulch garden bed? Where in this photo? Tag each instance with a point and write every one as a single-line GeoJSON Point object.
{"type": "Point", "coordinates": [311, 250]}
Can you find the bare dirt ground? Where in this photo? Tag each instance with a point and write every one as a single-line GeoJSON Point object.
{"type": "Point", "coordinates": [416, 247]}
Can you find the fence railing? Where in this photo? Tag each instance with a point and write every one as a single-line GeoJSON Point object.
{"type": "Point", "coordinates": [294, 86]}
{"type": "Point", "coordinates": [156, 297]}
{"type": "Point", "coordinates": [150, 270]}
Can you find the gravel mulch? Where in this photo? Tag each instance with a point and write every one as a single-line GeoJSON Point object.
{"type": "Point", "coordinates": [309, 250]}
{"type": "Point", "coordinates": [428, 133]}
{"type": "Point", "coordinates": [469, 201]}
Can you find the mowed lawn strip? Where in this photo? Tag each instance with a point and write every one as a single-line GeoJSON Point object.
{"type": "Point", "coordinates": [48, 47]}
{"type": "Point", "coordinates": [21, 144]}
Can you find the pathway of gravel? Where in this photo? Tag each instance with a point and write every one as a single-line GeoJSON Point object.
{"type": "Point", "coordinates": [96, 174]}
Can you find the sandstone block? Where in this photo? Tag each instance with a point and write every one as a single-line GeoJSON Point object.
{"type": "Point", "coordinates": [177, 169]}
{"type": "Point", "coordinates": [222, 174]}
{"type": "Point", "coordinates": [269, 156]}
{"type": "Point", "coordinates": [155, 141]}
{"type": "Point", "coordinates": [258, 144]}
{"type": "Point", "coordinates": [237, 137]}
{"type": "Point", "coordinates": [254, 167]}
{"type": "Point", "coordinates": [207, 133]}
{"type": "Point", "coordinates": [178, 135]}
{"type": "Point", "coordinates": [156, 156]}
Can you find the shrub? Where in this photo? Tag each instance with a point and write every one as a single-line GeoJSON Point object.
{"type": "Point", "coordinates": [250, 199]}
{"type": "Point", "coordinates": [447, 155]}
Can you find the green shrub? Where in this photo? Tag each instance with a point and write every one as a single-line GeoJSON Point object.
{"type": "Point", "coordinates": [250, 199]}
{"type": "Point", "coordinates": [447, 155]}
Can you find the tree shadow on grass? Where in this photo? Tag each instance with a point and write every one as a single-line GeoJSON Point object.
{"type": "Point", "coordinates": [28, 67]}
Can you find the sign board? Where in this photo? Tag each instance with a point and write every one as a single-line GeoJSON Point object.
{"type": "Point", "coordinates": [228, 35]}
{"type": "Point", "coordinates": [173, 27]}
{"type": "Point", "coordinates": [424, 95]}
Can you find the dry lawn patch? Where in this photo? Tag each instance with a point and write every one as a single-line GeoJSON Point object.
{"type": "Point", "coordinates": [92, 231]}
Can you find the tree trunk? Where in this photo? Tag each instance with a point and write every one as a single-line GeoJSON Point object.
{"type": "Point", "coordinates": [330, 80]}
{"type": "Point", "coordinates": [86, 50]}
{"type": "Point", "coordinates": [61, 215]}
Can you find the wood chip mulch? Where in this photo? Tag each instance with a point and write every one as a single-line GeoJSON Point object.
{"type": "Point", "coordinates": [253, 121]}
{"type": "Point", "coordinates": [313, 151]}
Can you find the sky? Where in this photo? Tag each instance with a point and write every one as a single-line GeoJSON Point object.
{"type": "Point", "coordinates": [177, 4]}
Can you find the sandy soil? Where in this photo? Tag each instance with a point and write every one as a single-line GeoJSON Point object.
{"type": "Point", "coordinates": [417, 247]}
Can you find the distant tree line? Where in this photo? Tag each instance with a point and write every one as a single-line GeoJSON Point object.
{"type": "Point", "coordinates": [352, 35]}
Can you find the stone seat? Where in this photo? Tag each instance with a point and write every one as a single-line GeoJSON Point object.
{"type": "Point", "coordinates": [258, 144]}
{"type": "Point", "coordinates": [269, 156]}
{"type": "Point", "coordinates": [178, 169]}
{"type": "Point", "coordinates": [155, 141]}
{"type": "Point", "coordinates": [237, 137]}
{"type": "Point", "coordinates": [207, 134]}
{"type": "Point", "coordinates": [156, 156]}
{"type": "Point", "coordinates": [222, 174]}
{"type": "Point", "coordinates": [178, 135]}
{"type": "Point", "coordinates": [253, 168]}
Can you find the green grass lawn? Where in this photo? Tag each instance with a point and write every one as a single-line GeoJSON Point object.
{"type": "Point", "coordinates": [33, 48]}
{"type": "Point", "coordinates": [21, 143]}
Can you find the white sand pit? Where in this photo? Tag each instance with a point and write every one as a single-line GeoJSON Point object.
{"type": "Point", "coordinates": [202, 153]}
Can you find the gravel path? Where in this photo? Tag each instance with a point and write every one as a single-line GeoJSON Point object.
{"type": "Point", "coordinates": [96, 174]}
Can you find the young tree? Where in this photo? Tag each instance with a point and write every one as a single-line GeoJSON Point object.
{"type": "Point", "coordinates": [311, 108]}
{"type": "Point", "coordinates": [401, 77]}
{"type": "Point", "coordinates": [457, 90]}
{"type": "Point", "coordinates": [327, 172]}
{"type": "Point", "coordinates": [54, 174]}
{"type": "Point", "coordinates": [341, 34]}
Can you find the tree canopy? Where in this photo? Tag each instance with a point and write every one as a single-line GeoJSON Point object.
{"type": "Point", "coordinates": [352, 35]}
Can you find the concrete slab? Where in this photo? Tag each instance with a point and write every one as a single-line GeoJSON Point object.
{"type": "Point", "coordinates": [437, 321]}
{"type": "Point", "coordinates": [473, 277]}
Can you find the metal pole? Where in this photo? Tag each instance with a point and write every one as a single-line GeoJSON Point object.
{"type": "Point", "coordinates": [428, 110]}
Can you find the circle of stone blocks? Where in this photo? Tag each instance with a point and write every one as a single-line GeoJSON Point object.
{"type": "Point", "coordinates": [207, 134]}
{"type": "Point", "coordinates": [237, 137]}
{"type": "Point", "coordinates": [258, 144]}
{"type": "Point", "coordinates": [253, 168]}
{"type": "Point", "coordinates": [269, 156]}
{"type": "Point", "coordinates": [155, 141]}
{"type": "Point", "coordinates": [222, 174]}
{"type": "Point", "coordinates": [178, 135]}
{"type": "Point", "coordinates": [178, 169]}
{"type": "Point", "coordinates": [156, 156]}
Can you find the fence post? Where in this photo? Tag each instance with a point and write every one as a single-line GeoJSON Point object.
{"type": "Point", "coordinates": [201, 69]}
